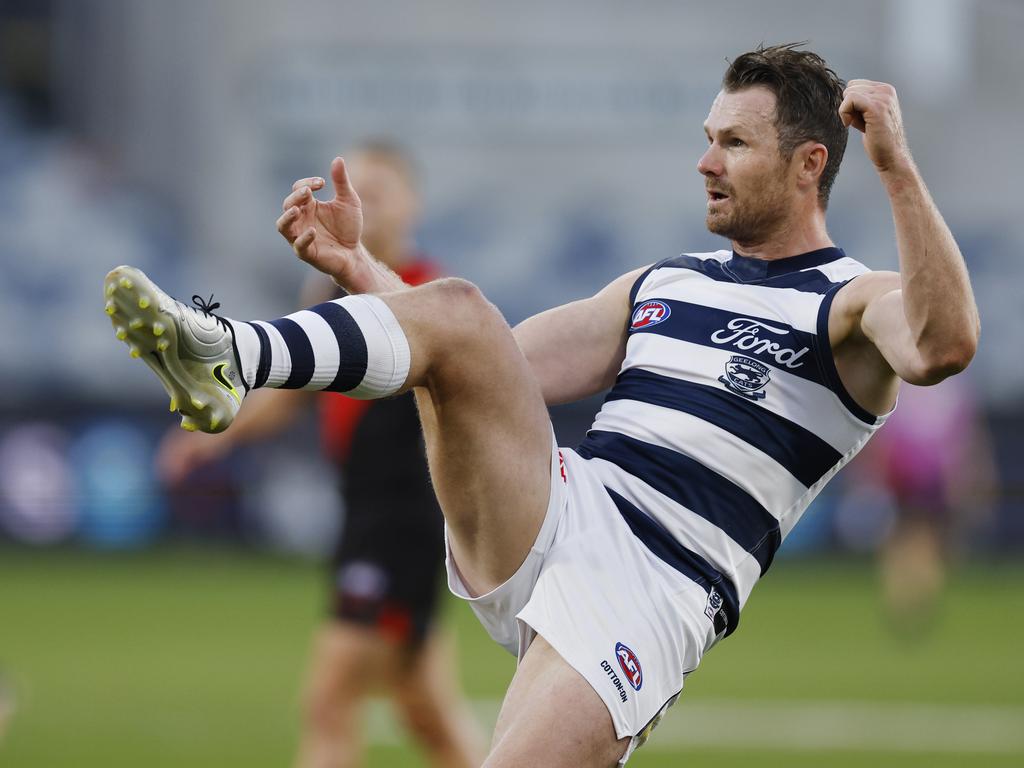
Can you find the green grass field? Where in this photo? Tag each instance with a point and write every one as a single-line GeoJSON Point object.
{"type": "Point", "coordinates": [194, 657]}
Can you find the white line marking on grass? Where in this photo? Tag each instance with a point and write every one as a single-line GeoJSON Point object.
{"type": "Point", "coordinates": [802, 726]}
{"type": "Point", "coordinates": [844, 725]}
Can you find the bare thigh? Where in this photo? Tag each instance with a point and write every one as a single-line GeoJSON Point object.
{"type": "Point", "coordinates": [553, 718]}
{"type": "Point", "coordinates": [487, 429]}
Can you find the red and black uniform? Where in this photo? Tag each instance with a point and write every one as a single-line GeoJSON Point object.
{"type": "Point", "coordinates": [388, 562]}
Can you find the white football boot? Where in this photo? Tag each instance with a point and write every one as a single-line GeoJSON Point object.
{"type": "Point", "coordinates": [192, 351]}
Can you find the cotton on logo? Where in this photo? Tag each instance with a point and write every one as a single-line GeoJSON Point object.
{"type": "Point", "coordinates": [650, 313]}
{"type": "Point", "coordinates": [630, 665]}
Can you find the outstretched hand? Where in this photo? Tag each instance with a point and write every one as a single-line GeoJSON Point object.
{"type": "Point", "coordinates": [873, 109]}
{"type": "Point", "coordinates": [325, 235]}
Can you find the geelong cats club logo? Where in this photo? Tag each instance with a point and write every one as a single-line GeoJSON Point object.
{"type": "Point", "coordinates": [745, 377]}
{"type": "Point", "coordinates": [650, 313]}
{"type": "Point", "coordinates": [630, 665]}
{"type": "Point", "coordinates": [714, 604]}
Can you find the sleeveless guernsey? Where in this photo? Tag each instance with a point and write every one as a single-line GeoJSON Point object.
{"type": "Point", "coordinates": [728, 416]}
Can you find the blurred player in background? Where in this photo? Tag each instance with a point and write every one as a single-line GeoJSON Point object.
{"type": "Point", "coordinates": [382, 630]}
{"type": "Point", "coordinates": [740, 382]}
{"type": "Point", "coordinates": [934, 461]}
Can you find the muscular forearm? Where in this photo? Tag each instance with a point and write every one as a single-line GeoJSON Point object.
{"type": "Point", "coordinates": [937, 297]}
{"type": "Point", "coordinates": [366, 274]}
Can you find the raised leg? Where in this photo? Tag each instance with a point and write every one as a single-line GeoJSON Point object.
{"type": "Point", "coordinates": [487, 430]}
{"type": "Point", "coordinates": [488, 435]}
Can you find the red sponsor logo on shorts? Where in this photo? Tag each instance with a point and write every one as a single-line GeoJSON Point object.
{"type": "Point", "coordinates": [561, 467]}
{"type": "Point", "coordinates": [630, 665]}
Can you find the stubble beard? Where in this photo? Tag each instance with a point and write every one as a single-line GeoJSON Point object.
{"type": "Point", "coordinates": [754, 217]}
{"type": "Point", "coordinates": [747, 223]}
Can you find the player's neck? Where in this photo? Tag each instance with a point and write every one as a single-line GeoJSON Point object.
{"type": "Point", "coordinates": [792, 238]}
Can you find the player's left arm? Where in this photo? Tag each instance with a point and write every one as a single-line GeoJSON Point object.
{"type": "Point", "coordinates": [923, 322]}
{"type": "Point", "coordinates": [577, 349]}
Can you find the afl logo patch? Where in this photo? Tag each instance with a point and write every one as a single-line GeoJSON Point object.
{"type": "Point", "coordinates": [630, 665]}
{"type": "Point", "coordinates": [650, 313]}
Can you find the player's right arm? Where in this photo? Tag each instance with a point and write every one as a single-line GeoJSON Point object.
{"type": "Point", "coordinates": [575, 350]}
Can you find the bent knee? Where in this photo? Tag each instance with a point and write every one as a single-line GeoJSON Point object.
{"type": "Point", "coordinates": [464, 322]}
{"type": "Point", "coordinates": [457, 288]}
{"type": "Point", "coordinates": [460, 303]}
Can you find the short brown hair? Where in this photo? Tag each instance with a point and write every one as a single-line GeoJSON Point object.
{"type": "Point", "coordinates": [807, 98]}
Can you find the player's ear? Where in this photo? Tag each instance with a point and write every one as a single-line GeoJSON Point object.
{"type": "Point", "coordinates": [810, 158]}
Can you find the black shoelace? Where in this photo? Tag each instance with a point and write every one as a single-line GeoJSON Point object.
{"type": "Point", "coordinates": [206, 306]}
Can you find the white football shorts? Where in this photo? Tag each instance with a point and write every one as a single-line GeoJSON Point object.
{"type": "Point", "coordinates": [632, 625]}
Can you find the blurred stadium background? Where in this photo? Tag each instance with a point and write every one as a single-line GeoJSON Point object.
{"type": "Point", "coordinates": [557, 144]}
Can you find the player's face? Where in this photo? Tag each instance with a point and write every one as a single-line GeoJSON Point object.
{"type": "Point", "coordinates": [390, 206]}
{"type": "Point", "coordinates": [749, 194]}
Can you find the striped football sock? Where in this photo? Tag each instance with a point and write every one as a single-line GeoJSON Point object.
{"type": "Point", "coordinates": [352, 345]}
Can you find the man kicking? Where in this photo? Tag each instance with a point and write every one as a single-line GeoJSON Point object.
{"type": "Point", "coordinates": [741, 382]}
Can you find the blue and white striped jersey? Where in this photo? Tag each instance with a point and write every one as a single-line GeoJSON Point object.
{"type": "Point", "coordinates": [728, 415]}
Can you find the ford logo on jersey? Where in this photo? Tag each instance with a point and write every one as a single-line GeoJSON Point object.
{"type": "Point", "coordinates": [630, 665]}
{"type": "Point", "coordinates": [650, 313]}
{"type": "Point", "coordinates": [744, 333]}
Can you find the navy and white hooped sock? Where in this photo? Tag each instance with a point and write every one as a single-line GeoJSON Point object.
{"type": "Point", "coordinates": [352, 345]}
